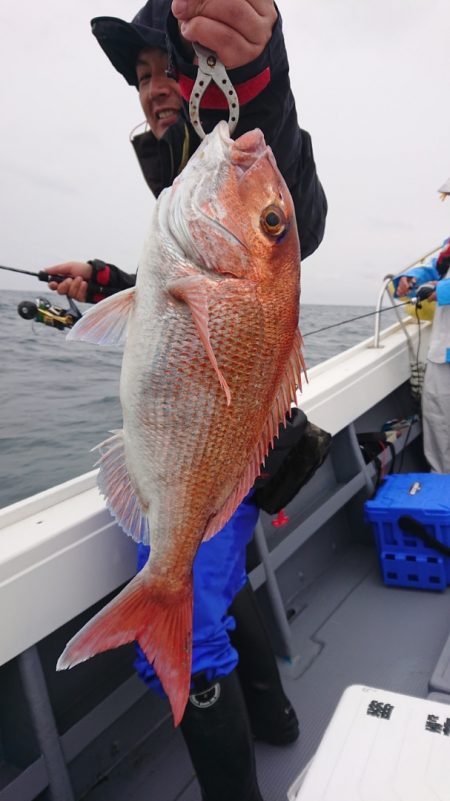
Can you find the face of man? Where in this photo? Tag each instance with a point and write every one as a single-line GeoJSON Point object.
{"type": "Point", "coordinates": [160, 95]}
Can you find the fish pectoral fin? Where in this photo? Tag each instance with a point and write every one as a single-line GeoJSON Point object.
{"type": "Point", "coordinates": [192, 290]}
{"type": "Point", "coordinates": [115, 485]}
{"type": "Point", "coordinates": [106, 322]}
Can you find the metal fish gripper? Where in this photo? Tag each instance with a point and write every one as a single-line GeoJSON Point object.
{"type": "Point", "coordinates": [210, 68]}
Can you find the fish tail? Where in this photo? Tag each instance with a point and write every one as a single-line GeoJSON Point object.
{"type": "Point", "coordinates": [163, 630]}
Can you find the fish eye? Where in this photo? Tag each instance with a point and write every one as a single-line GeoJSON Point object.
{"type": "Point", "coordinates": [273, 221]}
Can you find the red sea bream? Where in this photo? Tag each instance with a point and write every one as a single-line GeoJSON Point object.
{"type": "Point", "coordinates": [211, 364]}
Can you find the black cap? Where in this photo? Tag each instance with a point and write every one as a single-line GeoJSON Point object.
{"type": "Point", "coordinates": [445, 188]}
{"type": "Point", "coordinates": [122, 41]}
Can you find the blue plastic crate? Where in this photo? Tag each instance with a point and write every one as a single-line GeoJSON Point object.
{"type": "Point", "coordinates": [406, 560]}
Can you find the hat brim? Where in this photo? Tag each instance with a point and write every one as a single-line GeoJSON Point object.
{"type": "Point", "coordinates": [122, 41]}
{"type": "Point", "coordinates": [445, 188]}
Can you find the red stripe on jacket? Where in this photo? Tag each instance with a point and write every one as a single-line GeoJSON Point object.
{"type": "Point", "coordinates": [214, 97]}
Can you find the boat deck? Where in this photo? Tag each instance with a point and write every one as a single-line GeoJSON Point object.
{"type": "Point", "coordinates": [352, 629]}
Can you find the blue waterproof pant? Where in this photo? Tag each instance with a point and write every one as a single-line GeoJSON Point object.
{"type": "Point", "coordinates": [219, 574]}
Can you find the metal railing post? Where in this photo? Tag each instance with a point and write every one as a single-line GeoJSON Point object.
{"type": "Point", "coordinates": [376, 337]}
{"type": "Point", "coordinates": [44, 723]}
{"type": "Point", "coordinates": [273, 590]}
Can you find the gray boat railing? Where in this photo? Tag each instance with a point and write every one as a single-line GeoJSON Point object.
{"type": "Point", "coordinates": [385, 291]}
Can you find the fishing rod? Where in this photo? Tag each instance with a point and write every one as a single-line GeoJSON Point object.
{"type": "Point", "coordinates": [42, 311]}
{"type": "Point", "coordinates": [42, 275]}
{"type": "Point", "coordinates": [422, 293]}
{"type": "Point", "coordinates": [360, 316]}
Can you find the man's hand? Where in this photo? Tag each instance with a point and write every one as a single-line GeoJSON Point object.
{"type": "Point", "coordinates": [75, 285]}
{"type": "Point", "coordinates": [237, 30]}
{"type": "Point", "coordinates": [426, 291]}
{"type": "Point", "coordinates": [405, 285]}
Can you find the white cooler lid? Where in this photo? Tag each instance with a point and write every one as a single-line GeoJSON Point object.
{"type": "Point", "coordinates": [381, 746]}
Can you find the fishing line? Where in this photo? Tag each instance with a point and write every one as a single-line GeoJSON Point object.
{"type": "Point", "coordinates": [352, 319]}
{"type": "Point", "coordinates": [387, 308]}
{"type": "Point", "coordinates": [417, 365]}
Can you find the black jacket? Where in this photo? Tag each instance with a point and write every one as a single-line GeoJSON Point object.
{"type": "Point", "coordinates": [272, 110]}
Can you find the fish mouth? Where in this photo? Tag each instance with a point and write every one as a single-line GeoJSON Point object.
{"type": "Point", "coordinates": [242, 153]}
{"type": "Point", "coordinates": [248, 150]}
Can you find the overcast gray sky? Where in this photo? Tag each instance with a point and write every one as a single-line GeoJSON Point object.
{"type": "Point", "coordinates": [371, 82]}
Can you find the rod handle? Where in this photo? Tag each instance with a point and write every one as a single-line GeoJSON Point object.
{"type": "Point", "coordinates": [94, 289]}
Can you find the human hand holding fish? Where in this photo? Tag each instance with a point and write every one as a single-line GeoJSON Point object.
{"type": "Point", "coordinates": [236, 30]}
{"type": "Point", "coordinates": [211, 365]}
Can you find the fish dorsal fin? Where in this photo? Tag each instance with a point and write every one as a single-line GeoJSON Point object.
{"type": "Point", "coordinates": [285, 397]}
{"type": "Point", "coordinates": [106, 322]}
{"type": "Point", "coordinates": [115, 485]}
{"type": "Point", "coordinates": [192, 290]}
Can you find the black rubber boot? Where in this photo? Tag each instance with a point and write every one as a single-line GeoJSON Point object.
{"type": "Point", "coordinates": [217, 733]}
{"type": "Point", "coordinates": [272, 716]}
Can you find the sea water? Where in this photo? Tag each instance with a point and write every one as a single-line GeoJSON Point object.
{"type": "Point", "coordinates": [59, 399]}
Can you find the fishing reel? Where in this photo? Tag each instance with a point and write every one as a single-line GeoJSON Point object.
{"type": "Point", "coordinates": [424, 291]}
{"type": "Point", "coordinates": [42, 311]}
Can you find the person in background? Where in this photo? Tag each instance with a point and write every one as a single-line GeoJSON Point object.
{"type": "Point", "coordinates": [232, 656]}
{"type": "Point", "coordinates": [432, 281]}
